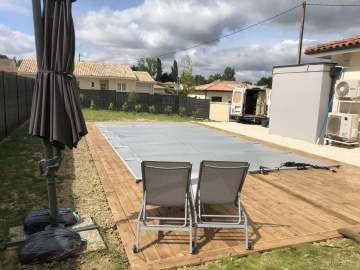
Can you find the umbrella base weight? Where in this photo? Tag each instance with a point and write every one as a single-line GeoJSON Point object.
{"type": "Point", "coordinates": [52, 244]}
{"type": "Point", "coordinates": [36, 221]}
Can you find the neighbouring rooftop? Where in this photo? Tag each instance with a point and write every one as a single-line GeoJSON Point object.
{"type": "Point", "coordinates": [342, 44]}
{"type": "Point", "coordinates": [226, 86]}
{"type": "Point", "coordinates": [8, 65]}
{"type": "Point", "coordinates": [99, 70]}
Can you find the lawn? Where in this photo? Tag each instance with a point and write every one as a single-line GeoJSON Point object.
{"type": "Point", "coordinates": [107, 115]}
{"type": "Point", "coordinates": [79, 187]}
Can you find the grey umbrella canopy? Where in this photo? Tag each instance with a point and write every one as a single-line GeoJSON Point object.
{"type": "Point", "coordinates": [56, 111]}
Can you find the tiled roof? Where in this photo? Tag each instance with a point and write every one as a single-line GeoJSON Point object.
{"type": "Point", "coordinates": [84, 69]}
{"type": "Point", "coordinates": [8, 65]}
{"type": "Point", "coordinates": [219, 86]}
{"type": "Point", "coordinates": [347, 43]}
{"type": "Point", "coordinates": [159, 87]}
{"type": "Point", "coordinates": [143, 76]}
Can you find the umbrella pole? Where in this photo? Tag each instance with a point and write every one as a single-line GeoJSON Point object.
{"type": "Point", "coordinates": [48, 167]}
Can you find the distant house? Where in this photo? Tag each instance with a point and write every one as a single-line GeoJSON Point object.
{"type": "Point", "coordinates": [217, 91]}
{"type": "Point", "coordinates": [345, 52]}
{"type": "Point", "coordinates": [96, 76]}
{"type": "Point", "coordinates": [7, 65]}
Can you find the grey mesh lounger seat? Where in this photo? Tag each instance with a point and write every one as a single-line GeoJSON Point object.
{"type": "Point", "coordinates": [220, 183]}
{"type": "Point", "coordinates": [165, 184]}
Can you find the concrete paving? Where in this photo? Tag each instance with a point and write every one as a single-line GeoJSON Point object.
{"type": "Point", "coordinates": [338, 153]}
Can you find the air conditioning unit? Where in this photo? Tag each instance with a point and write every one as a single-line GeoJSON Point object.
{"type": "Point", "coordinates": [343, 126]}
{"type": "Point", "coordinates": [347, 89]}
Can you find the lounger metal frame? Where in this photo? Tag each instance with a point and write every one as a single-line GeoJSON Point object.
{"type": "Point", "coordinates": [239, 221]}
{"type": "Point", "coordinates": [142, 219]}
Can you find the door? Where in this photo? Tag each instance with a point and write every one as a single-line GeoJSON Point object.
{"type": "Point", "coordinates": [237, 102]}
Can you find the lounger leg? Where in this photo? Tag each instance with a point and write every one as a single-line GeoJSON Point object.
{"type": "Point", "coordinates": [191, 246]}
{"type": "Point", "coordinates": [136, 247]}
{"type": "Point", "coordinates": [246, 232]}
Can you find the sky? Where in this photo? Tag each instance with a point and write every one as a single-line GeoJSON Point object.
{"type": "Point", "coordinates": [114, 31]}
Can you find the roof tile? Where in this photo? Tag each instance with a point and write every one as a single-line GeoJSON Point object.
{"type": "Point", "coordinates": [334, 45]}
{"type": "Point", "coordinates": [219, 86]}
{"type": "Point", "coordinates": [84, 69]}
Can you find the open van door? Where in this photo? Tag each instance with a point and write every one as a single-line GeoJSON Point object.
{"type": "Point", "coordinates": [237, 102]}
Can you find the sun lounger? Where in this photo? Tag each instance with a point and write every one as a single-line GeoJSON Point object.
{"type": "Point", "coordinates": [220, 183]}
{"type": "Point", "coordinates": [165, 184]}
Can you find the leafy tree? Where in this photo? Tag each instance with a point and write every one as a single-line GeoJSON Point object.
{"type": "Point", "coordinates": [214, 77]}
{"type": "Point", "coordinates": [166, 77]}
{"type": "Point", "coordinates": [134, 68]}
{"type": "Point", "coordinates": [186, 75]}
{"type": "Point", "coordinates": [148, 64]}
{"type": "Point", "coordinates": [265, 81]}
{"type": "Point", "coordinates": [199, 79]}
{"type": "Point", "coordinates": [229, 74]}
{"type": "Point", "coordinates": [158, 70]}
{"type": "Point", "coordinates": [174, 72]}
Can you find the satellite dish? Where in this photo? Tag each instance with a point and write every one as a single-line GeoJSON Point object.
{"type": "Point", "coordinates": [342, 89]}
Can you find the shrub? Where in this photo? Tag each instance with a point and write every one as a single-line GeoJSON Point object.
{"type": "Point", "coordinates": [168, 109]}
{"type": "Point", "coordinates": [82, 98]}
{"type": "Point", "coordinates": [138, 108]}
{"type": "Point", "coordinates": [196, 113]}
{"type": "Point", "coordinates": [182, 111]}
{"type": "Point", "coordinates": [152, 109]}
{"type": "Point", "coordinates": [125, 106]}
{"type": "Point", "coordinates": [111, 106]}
{"type": "Point", "coordinates": [131, 99]}
{"type": "Point", "coordinates": [92, 104]}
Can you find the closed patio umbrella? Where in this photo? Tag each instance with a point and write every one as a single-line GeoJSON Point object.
{"type": "Point", "coordinates": [56, 115]}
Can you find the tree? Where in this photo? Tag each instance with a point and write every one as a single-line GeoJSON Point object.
{"type": "Point", "coordinates": [199, 79]}
{"type": "Point", "coordinates": [158, 70]}
{"type": "Point", "coordinates": [174, 72]}
{"type": "Point", "coordinates": [166, 77]}
{"type": "Point", "coordinates": [186, 75]}
{"type": "Point", "coordinates": [134, 68]}
{"type": "Point", "coordinates": [214, 77]}
{"type": "Point", "coordinates": [265, 81]}
{"type": "Point", "coordinates": [147, 64]}
{"type": "Point", "coordinates": [229, 74]}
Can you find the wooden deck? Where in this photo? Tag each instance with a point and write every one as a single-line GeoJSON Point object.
{"type": "Point", "coordinates": [286, 208]}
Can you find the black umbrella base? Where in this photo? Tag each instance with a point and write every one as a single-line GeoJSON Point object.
{"type": "Point", "coordinates": [38, 220]}
{"type": "Point", "coordinates": [53, 244]}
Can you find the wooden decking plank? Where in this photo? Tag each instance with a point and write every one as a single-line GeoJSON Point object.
{"type": "Point", "coordinates": [308, 202]}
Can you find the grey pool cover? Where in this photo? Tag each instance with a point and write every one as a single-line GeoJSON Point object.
{"type": "Point", "coordinates": [169, 141]}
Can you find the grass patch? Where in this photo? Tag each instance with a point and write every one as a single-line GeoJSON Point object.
{"type": "Point", "coordinates": [341, 254]}
{"type": "Point", "coordinates": [106, 115]}
{"type": "Point", "coordinates": [78, 186]}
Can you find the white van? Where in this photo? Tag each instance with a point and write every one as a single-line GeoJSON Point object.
{"type": "Point", "coordinates": [250, 104]}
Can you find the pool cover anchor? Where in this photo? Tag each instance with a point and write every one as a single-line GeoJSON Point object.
{"type": "Point", "coordinates": [291, 165]}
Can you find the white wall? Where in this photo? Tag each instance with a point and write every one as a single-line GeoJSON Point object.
{"type": "Point", "coordinates": [351, 64]}
{"type": "Point", "coordinates": [299, 101]}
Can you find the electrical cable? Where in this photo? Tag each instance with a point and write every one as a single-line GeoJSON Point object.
{"type": "Point", "coordinates": [234, 32]}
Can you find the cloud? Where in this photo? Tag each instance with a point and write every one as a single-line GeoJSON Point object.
{"type": "Point", "coordinates": [250, 62]}
{"type": "Point", "coordinates": [157, 27]}
{"type": "Point", "coordinates": [16, 6]}
{"type": "Point", "coordinates": [15, 43]}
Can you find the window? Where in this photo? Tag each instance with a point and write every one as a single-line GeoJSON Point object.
{"type": "Point", "coordinates": [121, 87]}
{"type": "Point", "coordinates": [92, 84]}
{"type": "Point", "coordinates": [216, 99]}
{"type": "Point", "coordinates": [104, 85]}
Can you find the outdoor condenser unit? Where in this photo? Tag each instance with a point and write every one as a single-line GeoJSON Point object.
{"type": "Point", "coordinates": [347, 89]}
{"type": "Point", "coordinates": [343, 126]}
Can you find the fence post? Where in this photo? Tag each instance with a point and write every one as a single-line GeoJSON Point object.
{"type": "Point", "coordinates": [2, 81]}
